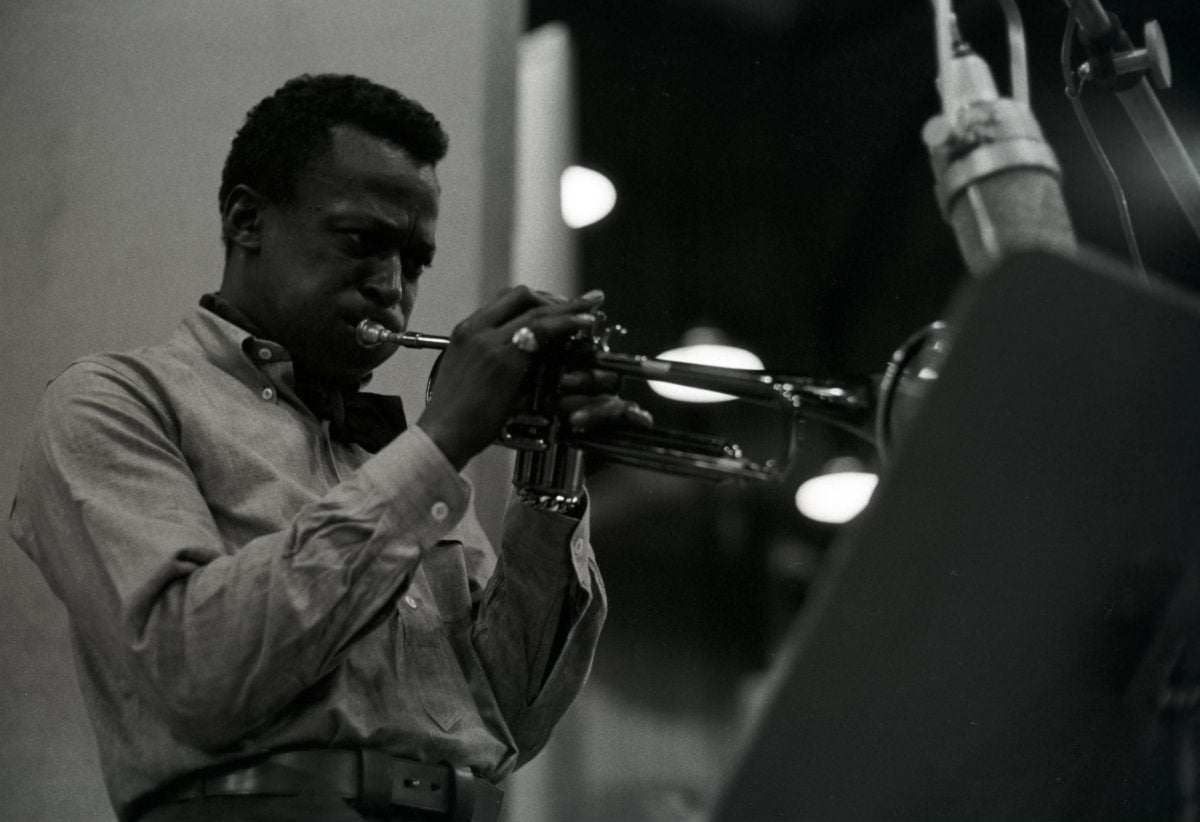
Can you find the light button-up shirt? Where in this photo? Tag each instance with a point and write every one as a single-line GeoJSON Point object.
{"type": "Point", "coordinates": [238, 582]}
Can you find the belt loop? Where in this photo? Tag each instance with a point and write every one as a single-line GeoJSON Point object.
{"type": "Point", "coordinates": [375, 780]}
{"type": "Point", "coordinates": [463, 809]}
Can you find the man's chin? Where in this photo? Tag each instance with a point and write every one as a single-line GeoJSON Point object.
{"type": "Point", "coordinates": [355, 370]}
{"type": "Point", "coordinates": [346, 369]}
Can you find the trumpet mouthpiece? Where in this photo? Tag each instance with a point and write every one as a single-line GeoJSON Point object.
{"type": "Point", "coordinates": [369, 334]}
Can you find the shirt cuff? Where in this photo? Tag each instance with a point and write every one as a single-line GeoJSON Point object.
{"type": "Point", "coordinates": [549, 539]}
{"type": "Point", "coordinates": [419, 483]}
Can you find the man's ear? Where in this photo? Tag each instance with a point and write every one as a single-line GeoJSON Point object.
{"type": "Point", "coordinates": [242, 217]}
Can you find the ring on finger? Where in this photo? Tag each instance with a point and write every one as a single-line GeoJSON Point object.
{"type": "Point", "coordinates": [524, 339]}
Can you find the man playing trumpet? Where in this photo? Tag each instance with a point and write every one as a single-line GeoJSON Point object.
{"type": "Point", "coordinates": [281, 603]}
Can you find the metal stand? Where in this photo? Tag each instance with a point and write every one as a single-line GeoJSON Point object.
{"type": "Point", "coordinates": [1124, 68]}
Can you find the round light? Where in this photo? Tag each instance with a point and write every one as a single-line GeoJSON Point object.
{"type": "Point", "coordinates": [836, 498]}
{"type": "Point", "coordinates": [725, 356]}
{"type": "Point", "coordinates": [586, 195]}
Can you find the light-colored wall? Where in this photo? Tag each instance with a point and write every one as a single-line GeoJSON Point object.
{"type": "Point", "coordinates": [117, 117]}
{"type": "Point", "coordinates": [544, 251]}
{"type": "Point", "coordinates": [544, 256]}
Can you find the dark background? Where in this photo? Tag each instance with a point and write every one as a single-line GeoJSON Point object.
{"type": "Point", "coordinates": [771, 175]}
{"type": "Point", "coordinates": [772, 183]}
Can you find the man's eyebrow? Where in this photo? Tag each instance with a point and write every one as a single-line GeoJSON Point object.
{"type": "Point", "coordinates": [376, 219]}
{"type": "Point", "coordinates": [404, 236]}
{"type": "Point", "coordinates": [375, 223]}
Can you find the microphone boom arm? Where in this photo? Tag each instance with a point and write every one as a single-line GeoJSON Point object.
{"type": "Point", "coordinates": [1146, 112]}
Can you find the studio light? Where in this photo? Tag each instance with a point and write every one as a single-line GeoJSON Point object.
{"type": "Point", "coordinates": [587, 196]}
{"type": "Point", "coordinates": [837, 495]}
{"type": "Point", "coordinates": [704, 346]}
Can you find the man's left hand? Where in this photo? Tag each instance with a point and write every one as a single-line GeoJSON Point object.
{"type": "Point", "coordinates": [588, 401]}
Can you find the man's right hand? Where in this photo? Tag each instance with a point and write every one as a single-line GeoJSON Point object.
{"type": "Point", "coordinates": [481, 371]}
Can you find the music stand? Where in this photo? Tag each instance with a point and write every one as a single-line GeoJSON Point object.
{"type": "Point", "coordinates": [992, 640]}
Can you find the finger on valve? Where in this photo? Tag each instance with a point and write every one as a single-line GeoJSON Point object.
{"type": "Point", "coordinates": [603, 413]}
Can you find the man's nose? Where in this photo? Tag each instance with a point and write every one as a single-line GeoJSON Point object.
{"type": "Point", "coordinates": [385, 285]}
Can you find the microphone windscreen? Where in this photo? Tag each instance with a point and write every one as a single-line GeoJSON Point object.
{"type": "Point", "coordinates": [1017, 209]}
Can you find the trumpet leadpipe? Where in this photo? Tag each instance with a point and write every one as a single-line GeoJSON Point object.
{"type": "Point", "coordinates": [840, 398]}
{"type": "Point", "coordinates": [741, 383]}
{"type": "Point", "coordinates": [369, 334]}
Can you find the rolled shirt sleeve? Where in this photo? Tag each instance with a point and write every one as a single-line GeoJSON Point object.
{"type": "Point", "coordinates": [540, 620]}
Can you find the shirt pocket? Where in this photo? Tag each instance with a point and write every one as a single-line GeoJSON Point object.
{"type": "Point", "coordinates": [439, 679]}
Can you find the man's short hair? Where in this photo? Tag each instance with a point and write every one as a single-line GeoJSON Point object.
{"type": "Point", "coordinates": [285, 132]}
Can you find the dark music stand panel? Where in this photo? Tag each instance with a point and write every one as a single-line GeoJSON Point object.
{"type": "Point", "coordinates": [990, 641]}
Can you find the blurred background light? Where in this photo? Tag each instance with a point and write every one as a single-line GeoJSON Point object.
{"type": "Point", "coordinates": [587, 196]}
{"type": "Point", "coordinates": [704, 346]}
{"type": "Point", "coordinates": [837, 495]}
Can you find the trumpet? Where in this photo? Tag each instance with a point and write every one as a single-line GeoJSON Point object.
{"type": "Point", "coordinates": [550, 455]}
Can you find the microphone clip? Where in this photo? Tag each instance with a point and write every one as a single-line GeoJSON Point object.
{"type": "Point", "coordinates": [1114, 61]}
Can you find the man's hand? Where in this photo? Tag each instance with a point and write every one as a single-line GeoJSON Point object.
{"type": "Point", "coordinates": [588, 401]}
{"type": "Point", "coordinates": [481, 371]}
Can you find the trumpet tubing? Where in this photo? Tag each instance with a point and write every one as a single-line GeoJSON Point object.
{"type": "Point", "coordinates": [548, 451]}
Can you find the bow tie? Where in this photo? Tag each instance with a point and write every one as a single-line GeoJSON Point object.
{"type": "Point", "coordinates": [369, 420]}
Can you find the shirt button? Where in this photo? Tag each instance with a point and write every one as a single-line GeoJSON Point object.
{"type": "Point", "coordinates": [410, 602]}
{"type": "Point", "coordinates": [439, 511]}
{"type": "Point", "coordinates": [268, 393]}
{"type": "Point", "coordinates": [264, 353]}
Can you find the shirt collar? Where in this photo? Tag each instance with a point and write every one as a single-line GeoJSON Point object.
{"type": "Point", "coordinates": [249, 338]}
{"type": "Point", "coordinates": [370, 420]}
{"type": "Point", "coordinates": [219, 340]}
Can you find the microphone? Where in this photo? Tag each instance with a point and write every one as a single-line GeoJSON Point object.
{"type": "Point", "coordinates": [997, 181]}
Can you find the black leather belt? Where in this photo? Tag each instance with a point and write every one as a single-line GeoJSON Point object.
{"type": "Point", "coordinates": [372, 781]}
